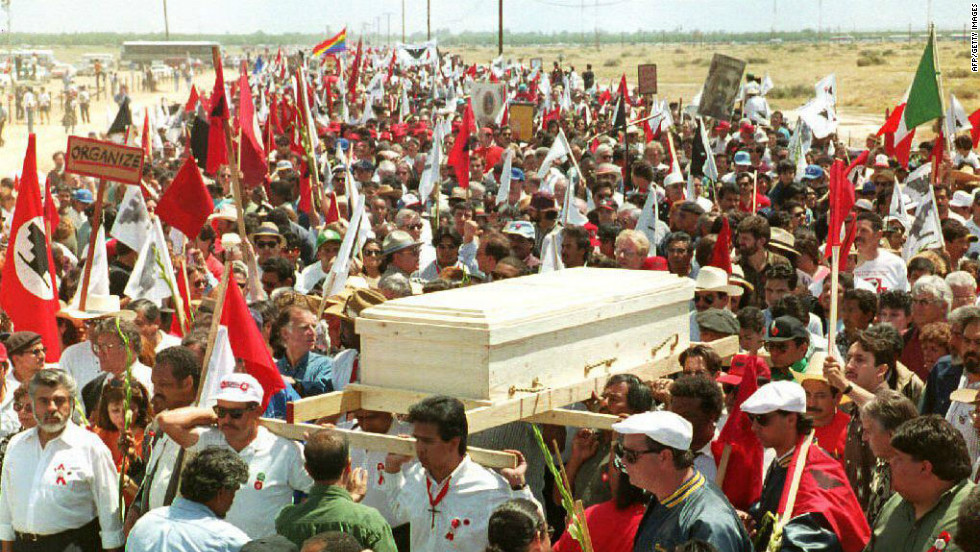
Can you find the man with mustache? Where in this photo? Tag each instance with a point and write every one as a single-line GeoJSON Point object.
{"type": "Point", "coordinates": [176, 376]}
{"type": "Point", "coordinates": [960, 413]}
{"type": "Point", "coordinates": [58, 489]}
{"type": "Point", "coordinates": [823, 407]}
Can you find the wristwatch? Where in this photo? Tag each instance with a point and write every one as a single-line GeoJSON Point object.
{"type": "Point", "coordinates": [519, 487]}
{"type": "Point", "coordinates": [849, 388]}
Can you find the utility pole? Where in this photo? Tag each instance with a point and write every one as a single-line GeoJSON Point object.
{"type": "Point", "coordinates": [500, 30]}
{"type": "Point", "coordinates": [403, 21]}
{"type": "Point", "coordinates": [596, 20]}
{"type": "Point", "coordinates": [428, 19]}
{"type": "Point", "coordinates": [166, 23]}
{"type": "Point", "coordinates": [388, 17]}
{"type": "Point", "coordinates": [819, 20]}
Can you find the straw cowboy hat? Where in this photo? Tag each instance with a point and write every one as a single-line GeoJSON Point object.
{"type": "Point", "coordinates": [712, 278]}
{"type": "Point", "coordinates": [98, 306]}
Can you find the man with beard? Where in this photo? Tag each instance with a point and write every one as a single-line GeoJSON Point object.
{"type": "Point", "coordinates": [58, 489]}
{"type": "Point", "coordinates": [960, 414]}
{"type": "Point", "coordinates": [753, 256]}
{"type": "Point", "coordinates": [176, 375]}
{"type": "Point", "coordinates": [882, 269]}
{"type": "Point", "coordinates": [623, 395]}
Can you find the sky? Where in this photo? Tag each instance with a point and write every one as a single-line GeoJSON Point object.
{"type": "Point", "coordinates": [315, 16]}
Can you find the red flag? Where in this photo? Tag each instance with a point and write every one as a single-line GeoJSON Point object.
{"type": "Point", "coordinates": [459, 157]}
{"type": "Point", "coordinates": [743, 478]}
{"type": "Point", "coordinates": [824, 489]}
{"type": "Point", "coordinates": [391, 65]}
{"type": "Point", "coordinates": [28, 290]}
{"type": "Point", "coordinates": [333, 212]}
{"type": "Point", "coordinates": [604, 97]}
{"type": "Point", "coordinates": [354, 70]}
{"type": "Point", "coordinates": [186, 204]}
{"type": "Point", "coordinates": [975, 130]}
{"type": "Point", "coordinates": [721, 254]}
{"type": "Point", "coordinates": [859, 162]}
{"type": "Point", "coordinates": [145, 139]}
{"type": "Point", "coordinates": [898, 138]}
{"type": "Point", "coordinates": [253, 158]}
{"type": "Point", "coordinates": [191, 105]}
{"type": "Point", "coordinates": [938, 147]}
{"type": "Point", "coordinates": [553, 115]}
{"type": "Point", "coordinates": [217, 116]}
{"type": "Point", "coordinates": [841, 203]}
{"type": "Point", "coordinates": [247, 343]}
{"type": "Point", "coordinates": [305, 193]}
{"type": "Point", "coordinates": [624, 91]}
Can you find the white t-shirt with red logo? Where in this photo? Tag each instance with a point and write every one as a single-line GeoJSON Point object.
{"type": "Point", "coordinates": [885, 272]}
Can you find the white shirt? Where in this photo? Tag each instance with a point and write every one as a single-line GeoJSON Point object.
{"type": "Point", "coordinates": [343, 369]}
{"type": "Point", "coordinates": [885, 272]}
{"type": "Point", "coordinates": [79, 361]}
{"type": "Point", "coordinates": [9, 422]}
{"type": "Point", "coordinates": [474, 493]}
{"type": "Point", "coordinates": [141, 373]}
{"type": "Point", "coordinates": [704, 461]}
{"type": "Point", "coordinates": [160, 466]}
{"type": "Point", "coordinates": [974, 230]}
{"type": "Point", "coordinates": [374, 463]}
{"type": "Point", "coordinates": [309, 277]}
{"type": "Point", "coordinates": [275, 470]}
{"type": "Point", "coordinates": [970, 159]}
{"type": "Point", "coordinates": [62, 486]}
{"type": "Point", "coordinates": [959, 416]}
{"type": "Point", "coordinates": [166, 341]}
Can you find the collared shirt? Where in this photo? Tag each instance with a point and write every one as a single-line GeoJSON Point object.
{"type": "Point", "coordinates": [959, 415]}
{"type": "Point", "coordinates": [897, 530]}
{"type": "Point", "coordinates": [696, 510]}
{"type": "Point", "coordinates": [79, 361]}
{"type": "Point", "coordinates": [330, 508]}
{"type": "Point", "coordinates": [159, 469]}
{"type": "Point", "coordinates": [59, 487]}
{"type": "Point", "coordinates": [275, 471]}
{"type": "Point", "coordinates": [186, 526]}
{"type": "Point", "coordinates": [704, 460]}
{"type": "Point", "coordinates": [313, 373]}
{"type": "Point", "coordinates": [373, 462]}
{"type": "Point", "coordinates": [473, 493]}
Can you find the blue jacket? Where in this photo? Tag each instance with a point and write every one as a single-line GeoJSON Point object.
{"type": "Point", "coordinates": [943, 380]}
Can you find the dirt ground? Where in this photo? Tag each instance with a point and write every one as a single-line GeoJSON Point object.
{"type": "Point", "coordinates": [865, 90]}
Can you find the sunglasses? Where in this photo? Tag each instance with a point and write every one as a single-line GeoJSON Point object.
{"type": "Point", "coordinates": [632, 456]}
{"type": "Point", "coordinates": [234, 413]}
{"type": "Point", "coordinates": [761, 419]}
{"type": "Point", "coordinates": [778, 347]}
{"type": "Point", "coordinates": [706, 299]}
{"type": "Point", "coordinates": [266, 244]}
{"type": "Point", "coordinates": [417, 226]}
{"type": "Point", "coordinates": [372, 252]}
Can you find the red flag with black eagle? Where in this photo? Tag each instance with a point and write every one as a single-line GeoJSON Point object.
{"type": "Point", "coordinates": [218, 114]}
{"type": "Point", "coordinates": [841, 204]}
{"type": "Point", "coordinates": [28, 290]}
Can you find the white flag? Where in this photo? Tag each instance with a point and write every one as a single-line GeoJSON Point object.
{"type": "Point", "coordinates": [132, 225]}
{"type": "Point", "coordinates": [925, 232]}
{"type": "Point", "coordinates": [504, 190]}
{"type": "Point", "coordinates": [570, 215]}
{"type": "Point", "coordinates": [819, 114]}
{"type": "Point", "coordinates": [766, 85]}
{"type": "Point", "coordinates": [430, 174]}
{"type": "Point", "coordinates": [341, 264]}
{"type": "Point", "coordinates": [648, 221]}
{"type": "Point", "coordinates": [559, 150]}
{"type": "Point", "coordinates": [956, 119]}
{"type": "Point", "coordinates": [826, 89]}
{"type": "Point", "coordinates": [221, 363]}
{"type": "Point", "coordinates": [551, 252]}
{"type": "Point", "coordinates": [152, 270]}
{"type": "Point", "coordinates": [98, 282]}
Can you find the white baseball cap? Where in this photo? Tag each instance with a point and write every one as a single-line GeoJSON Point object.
{"type": "Point", "coordinates": [787, 396]}
{"type": "Point", "coordinates": [241, 388]}
{"type": "Point", "coordinates": [663, 427]}
{"type": "Point", "coordinates": [961, 199]}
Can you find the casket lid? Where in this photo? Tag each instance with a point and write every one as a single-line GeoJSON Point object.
{"type": "Point", "coordinates": [534, 298]}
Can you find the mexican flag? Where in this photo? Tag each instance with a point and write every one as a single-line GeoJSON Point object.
{"type": "Point", "coordinates": [924, 101]}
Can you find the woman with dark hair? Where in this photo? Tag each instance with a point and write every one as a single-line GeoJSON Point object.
{"type": "Point", "coordinates": [612, 524]}
{"type": "Point", "coordinates": [518, 526]}
{"type": "Point", "coordinates": [109, 421]}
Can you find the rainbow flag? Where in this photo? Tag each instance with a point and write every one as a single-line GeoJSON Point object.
{"type": "Point", "coordinates": [332, 45]}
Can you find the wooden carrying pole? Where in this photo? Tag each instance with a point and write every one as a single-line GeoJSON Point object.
{"type": "Point", "coordinates": [96, 225]}
{"type": "Point", "coordinates": [213, 330]}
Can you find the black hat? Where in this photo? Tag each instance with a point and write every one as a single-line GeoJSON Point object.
{"type": "Point", "coordinates": [718, 320]}
{"type": "Point", "coordinates": [786, 328]}
{"type": "Point", "coordinates": [18, 342]}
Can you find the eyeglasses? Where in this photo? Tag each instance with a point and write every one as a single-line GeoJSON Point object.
{"type": "Point", "coordinates": [706, 299]}
{"type": "Point", "coordinates": [372, 252]}
{"type": "Point", "coordinates": [761, 419]}
{"type": "Point", "coordinates": [234, 413]}
{"type": "Point", "coordinates": [780, 347]}
{"type": "Point", "coordinates": [25, 407]}
{"type": "Point", "coordinates": [266, 244]}
{"type": "Point", "coordinates": [107, 348]}
{"type": "Point", "coordinates": [631, 456]}
{"type": "Point", "coordinates": [416, 226]}
{"type": "Point", "coordinates": [37, 351]}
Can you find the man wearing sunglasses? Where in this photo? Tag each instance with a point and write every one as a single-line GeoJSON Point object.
{"type": "Point", "coordinates": [711, 291]}
{"type": "Point", "coordinates": [826, 515]}
{"type": "Point", "coordinates": [656, 453]}
{"type": "Point", "coordinates": [787, 342]}
{"type": "Point", "coordinates": [275, 464]}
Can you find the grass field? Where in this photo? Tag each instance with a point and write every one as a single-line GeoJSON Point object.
{"type": "Point", "coordinates": [871, 77]}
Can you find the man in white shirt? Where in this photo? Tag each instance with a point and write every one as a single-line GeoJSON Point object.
{"type": "Point", "coordinates": [327, 247]}
{"type": "Point", "coordinates": [455, 502]}
{"type": "Point", "coordinates": [58, 488]}
{"type": "Point", "coordinates": [176, 376]}
{"type": "Point", "coordinates": [117, 344]}
{"type": "Point", "coordinates": [882, 269]}
{"type": "Point", "coordinates": [26, 354]}
{"type": "Point", "coordinates": [275, 464]}
{"type": "Point", "coordinates": [148, 322]}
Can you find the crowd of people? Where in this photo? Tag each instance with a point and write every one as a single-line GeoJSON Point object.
{"type": "Point", "coordinates": [860, 436]}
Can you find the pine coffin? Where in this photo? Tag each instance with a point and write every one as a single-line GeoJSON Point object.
{"type": "Point", "coordinates": [491, 341]}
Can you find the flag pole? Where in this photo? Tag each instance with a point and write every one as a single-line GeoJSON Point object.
{"type": "Point", "coordinates": [834, 290]}
{"type": "Point", "coordinates": [236, 184]}
{"type": "Point", "coordinates": [219, 307]}
{"type": "Point", "coordinates": [948, 139]}
{"type": "Point", "coordinates": [93, 237]}
{"type": "Point", "coordinates": [755, 189]}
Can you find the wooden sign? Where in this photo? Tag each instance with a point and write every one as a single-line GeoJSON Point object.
{"type": "Point", "coordinates": [647, 78]}
{"type": "Point", "coordinates": [104, 160]}
{"type": "Point", "coordinates": [521, 121]}
{"type": "Point", "coordinates": [721, 87]}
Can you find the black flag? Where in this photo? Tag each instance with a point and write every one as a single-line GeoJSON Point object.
{"type": "Point", "coordinates": [123, 120]}
{"type": "Point", "coordinates": [199, 140]}
{"type": "Point", "coordinates": [698, 154]}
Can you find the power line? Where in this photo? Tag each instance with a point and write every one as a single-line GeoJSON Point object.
{"type": "Point", "coordinates": [579, 6]}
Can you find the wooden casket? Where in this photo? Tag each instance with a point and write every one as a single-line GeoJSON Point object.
{"type": "Point", "coordinates": [490, 341]}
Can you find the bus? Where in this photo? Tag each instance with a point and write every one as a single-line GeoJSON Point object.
{"type": "Point", "coordinates": [144, 52]}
